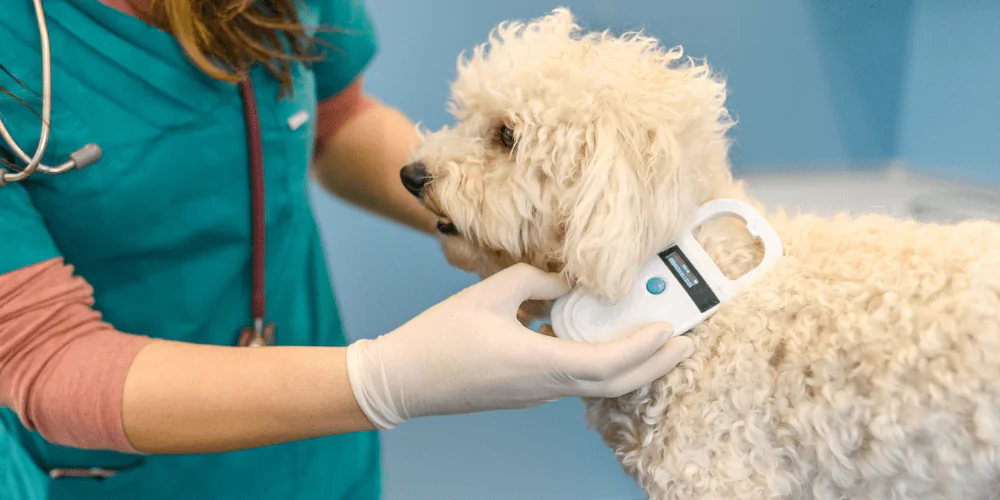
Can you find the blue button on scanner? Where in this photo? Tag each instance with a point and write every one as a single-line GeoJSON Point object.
{"type": "Point", "coordinates": [656, 285]}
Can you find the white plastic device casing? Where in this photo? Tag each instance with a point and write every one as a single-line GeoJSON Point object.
{"type": "Point", "coordinates": [585, 317]}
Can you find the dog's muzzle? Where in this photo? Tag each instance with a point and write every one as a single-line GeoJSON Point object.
{"type": "Point", "coordinates": [414, 177]}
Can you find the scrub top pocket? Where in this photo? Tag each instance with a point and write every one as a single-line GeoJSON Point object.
{"type": "Point", "coordinates": [297, 115]}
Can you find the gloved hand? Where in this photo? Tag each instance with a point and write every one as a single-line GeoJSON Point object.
{"type": "Point", "coordinates": [470, 354]}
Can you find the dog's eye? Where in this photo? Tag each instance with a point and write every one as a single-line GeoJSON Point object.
{"type": "Point", "coordinates": [507, 136]}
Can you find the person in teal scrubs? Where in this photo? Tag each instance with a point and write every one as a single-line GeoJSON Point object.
{"type": "Point", "coordinates": [160, 228]}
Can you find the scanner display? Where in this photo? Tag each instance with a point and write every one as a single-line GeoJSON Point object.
{"type": "Point", "coordinates": [695, 286]}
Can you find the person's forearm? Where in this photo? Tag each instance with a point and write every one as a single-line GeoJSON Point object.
{"type": "Point", "coordinates": [361, 165]}
{"type": "Point", "coordinates": [185, 398]}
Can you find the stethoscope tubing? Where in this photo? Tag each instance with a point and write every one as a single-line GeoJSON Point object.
{"type": "Point", "coordinates": [81, 158]}
{"type": "Point", "coordinates": [35, 163]}
{"type": "Point", "coordinates": [258, 216]}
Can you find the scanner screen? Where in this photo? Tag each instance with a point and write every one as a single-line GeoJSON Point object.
{"type": "Point", "coordinates": [682, 269]}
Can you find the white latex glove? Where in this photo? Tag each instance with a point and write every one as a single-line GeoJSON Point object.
{"type": "Point", "coordinates": [471, 354]}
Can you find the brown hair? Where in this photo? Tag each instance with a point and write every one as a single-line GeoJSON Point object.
{"type": "Point", "coordinates": [224, 38]}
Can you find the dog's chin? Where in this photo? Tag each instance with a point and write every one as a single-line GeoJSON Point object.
{"type": "Point", "coordinates": [469, 257]}
{"type": "Point", "coordinates": [463, 255]}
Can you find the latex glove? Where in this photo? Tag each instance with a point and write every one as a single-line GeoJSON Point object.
{"type": "Point", "coordinates": [471, 354]}
{"type": "Point", "coordinates": [461, 255]}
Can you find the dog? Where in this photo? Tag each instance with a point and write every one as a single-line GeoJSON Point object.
{"type": "Point", "coordinates": [865, 364]}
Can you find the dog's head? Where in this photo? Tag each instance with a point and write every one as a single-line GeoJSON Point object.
{"type": "Point", "coordinates": [583, 153]}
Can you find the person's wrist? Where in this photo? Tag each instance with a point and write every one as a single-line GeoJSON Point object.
{"type": "Point", "coordinates": [369, 385]}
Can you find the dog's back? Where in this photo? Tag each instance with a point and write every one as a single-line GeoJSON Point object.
{"type": "Point", "coordinates": [866, 365]}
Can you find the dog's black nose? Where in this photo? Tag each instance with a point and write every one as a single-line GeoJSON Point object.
{"type": "Point", "coordinates": [414, 177]}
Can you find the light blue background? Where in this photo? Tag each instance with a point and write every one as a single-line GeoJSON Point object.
{"type": "Point", "coordinates": [951, 117]}
{"type": "Point", "coordinates": [815, 84]}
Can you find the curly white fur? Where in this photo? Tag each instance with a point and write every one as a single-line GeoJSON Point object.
{"type": "Point", "coordinates": [866, 365]}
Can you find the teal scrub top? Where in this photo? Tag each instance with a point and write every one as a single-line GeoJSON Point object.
{"type": "Point", "coordinates": [161, 228]}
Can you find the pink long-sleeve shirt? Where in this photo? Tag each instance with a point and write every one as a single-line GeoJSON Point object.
{"type": "Point", "coordinates": [63, 369]}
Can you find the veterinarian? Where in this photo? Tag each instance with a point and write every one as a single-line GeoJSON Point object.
{"type": "Point", "coordinates": [127, 366]}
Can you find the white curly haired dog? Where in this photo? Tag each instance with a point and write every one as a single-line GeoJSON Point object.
{"type": "Point", "coordinates": [865, 365]}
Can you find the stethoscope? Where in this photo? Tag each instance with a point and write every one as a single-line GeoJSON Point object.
{"type": "Point", "coordinates": [259, 333]}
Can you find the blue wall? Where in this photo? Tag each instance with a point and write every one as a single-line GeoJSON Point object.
{"type": "Point", "coordinates": [862, 50]}
{"type": "Point", "coordinates": [814, 83]}
{"type": "Point", "coordinates": [951, 117]}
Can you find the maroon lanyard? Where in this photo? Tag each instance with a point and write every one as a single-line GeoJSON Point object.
{"type": "Point", "coordinates": [258, 333]}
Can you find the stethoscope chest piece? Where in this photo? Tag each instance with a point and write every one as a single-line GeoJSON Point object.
{"type": "Point", "coordinates": [257, 336]}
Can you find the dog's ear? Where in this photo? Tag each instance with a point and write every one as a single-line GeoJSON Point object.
{"type": "Point", "coordinates": [609, 225]}
{"type": "Point", "coordinates": [643, 172]}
